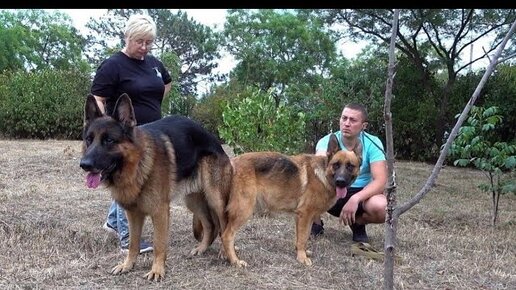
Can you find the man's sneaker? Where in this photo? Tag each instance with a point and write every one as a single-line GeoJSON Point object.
{"type": "Point", "coordinates": [359, 233]}
{"type": "Point", "coordinates": [110, 228]}
{"type": "Point", "coordinates": [145, 247]}
{"type": "Point", "coordinates": [317, 229]}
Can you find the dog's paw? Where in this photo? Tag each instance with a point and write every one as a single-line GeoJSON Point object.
{"type": "Point", "coordinates": [240, 264]}
{"type": "Point", "coordinates": [305, 260]}
{"type": "Point", "coordinates": [121, 268]}
{"type": "Point", "coordinates": [308, 253]}
{"type": "Point", "coordinates": [155, 275]}
{"type": "Point", "coordinates": [199, 250]}
{"type": "Point", "coordinates": [222, 254]}
{"type": "Point", "coordinates": [157, 272]}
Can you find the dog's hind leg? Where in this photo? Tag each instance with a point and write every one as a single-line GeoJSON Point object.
{"type": "Point", "coordinates": [202, 219]}
{"type": "Point", "coordinates": [216, 173]}
{"type": "Point", "coordinates": [239, 209]}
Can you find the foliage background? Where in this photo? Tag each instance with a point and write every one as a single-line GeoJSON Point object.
{"type": "Point", "coordinates": [47, 66]}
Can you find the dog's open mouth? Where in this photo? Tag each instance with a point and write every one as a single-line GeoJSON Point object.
{"type": "Point", "coordinates": [93, 179]}
{"type": "Point", "coordinates": [341, 192]}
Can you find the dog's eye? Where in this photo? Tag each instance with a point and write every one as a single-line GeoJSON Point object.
{"type": "Point", "coordinates": [350, 167]}
{"type": "Point", "coordinates": [109, 141]}
{"type": "Point", "coordinates": [88, 140]}
{"type": "Point", "coordinates": [336, 166]}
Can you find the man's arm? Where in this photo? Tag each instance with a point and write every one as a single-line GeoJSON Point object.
{"type": "Point", "coordinates": [378, 182]}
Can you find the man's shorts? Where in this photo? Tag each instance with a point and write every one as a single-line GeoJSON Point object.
{"type": "Point", "coordinates": [337, 207]}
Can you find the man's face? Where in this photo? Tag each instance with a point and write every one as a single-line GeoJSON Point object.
{"type": "Point", "coordinates": [351, 122]}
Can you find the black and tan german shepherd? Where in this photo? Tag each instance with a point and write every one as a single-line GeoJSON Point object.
{"type": "Point", "coordinates": [306, 185]}
{"type": "Point", "coordinates": [147, 166]}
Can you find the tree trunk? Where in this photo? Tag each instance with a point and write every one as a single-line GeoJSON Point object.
{"type": "Point", "coordinates": [440, 121]}
{"type": "Point", "coordinates": [495, 207]}
{"type": "Point", "coordinates": [391, 220]}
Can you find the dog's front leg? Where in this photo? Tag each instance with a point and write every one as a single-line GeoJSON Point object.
{"type": "Point", "coordinates": [303, 222]}
{"type": "Point", "coordinates": [160, 222]}
{"type": "Point", "coordinates": [135, 220]}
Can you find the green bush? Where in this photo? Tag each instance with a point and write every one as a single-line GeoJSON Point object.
{"type": "Point", "coordinates": [208, 112]}
{"type": "Point", "coordinates": [43, 104]}
{"type": "Point", "coordinates": [256, 123]}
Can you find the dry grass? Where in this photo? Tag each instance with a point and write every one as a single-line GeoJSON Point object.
{"type": "Point", "coordinates": [51, 236]}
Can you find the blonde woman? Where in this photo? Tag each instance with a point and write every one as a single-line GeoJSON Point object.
{"type": "Point", "coordinates": [146, 80]}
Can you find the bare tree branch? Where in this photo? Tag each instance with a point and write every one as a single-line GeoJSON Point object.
{"type": "Point", "coordinates": [507, 57]}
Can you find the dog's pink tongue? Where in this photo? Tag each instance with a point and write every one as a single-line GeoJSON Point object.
{"type": "Point", "coordinates": [93, 180]}
{"type": "Point", "coordinates": [341, 192]}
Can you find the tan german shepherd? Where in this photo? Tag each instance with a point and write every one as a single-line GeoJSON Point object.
{"type": "Point", "coordinates": [146, 166]}
{"type": "Point", "coordinates": [306, 184]}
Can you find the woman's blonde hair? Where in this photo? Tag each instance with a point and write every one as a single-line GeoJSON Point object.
{"type": "Point", "coordinates": [140, 26]}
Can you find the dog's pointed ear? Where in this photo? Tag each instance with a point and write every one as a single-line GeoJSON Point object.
{"type": "Point", "coordinates": [124, 111]}
{"type": "Point", "coordinates": [358, 150]}
{"type": "Point", "coordinates": [91, 109]}
{"type": "Point", "coordinates": [333, 146]}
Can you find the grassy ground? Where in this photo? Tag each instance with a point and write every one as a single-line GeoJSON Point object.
{"type": "Point", "coordinates": [51, 236]}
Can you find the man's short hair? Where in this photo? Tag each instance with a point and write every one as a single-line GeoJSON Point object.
{"type": "Point", "coordinates": [358, 107]}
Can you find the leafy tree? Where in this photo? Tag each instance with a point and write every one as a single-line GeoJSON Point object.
{"type": "Point", "coordinates": [11, 43]}
{"type": "Point", "coordinates": [278, 50]}
{"type": "Point", "coordinates": [195, 45]}
{"type": "Point", "coordinates": [432, 39]}
{"type": "Point", "coordinates": [34, 40]}
{"type": "Point", "coordinates": [501, 92]}
{"type": "Point", "coordinates": [286, 53]}
{"type": "Point", "coordinates": [173, 102]}
{"type": "Point", "coordinates": [476, 145]}
{"type": "Point", "coordinates": [256, 123]}
{"type": "Point", "coordinates": [414, 110]}
{"type": "Point", "coordinates": [208, 109]}
{"type": "Point", "coordinates": [356, 81]}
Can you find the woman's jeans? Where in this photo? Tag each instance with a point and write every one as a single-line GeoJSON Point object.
{"type": "Point", "coordinates": [118, 220]}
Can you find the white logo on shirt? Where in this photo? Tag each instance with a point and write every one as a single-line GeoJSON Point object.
{"type": "Point", "coordinates": [158, 74]}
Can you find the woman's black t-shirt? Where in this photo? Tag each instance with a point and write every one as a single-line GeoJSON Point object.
{"type": "Point", "coordinates": [143, 80]}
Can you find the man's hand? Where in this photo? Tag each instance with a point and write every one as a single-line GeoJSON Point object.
{"type": "Point", "coordinates": [347, 214]}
